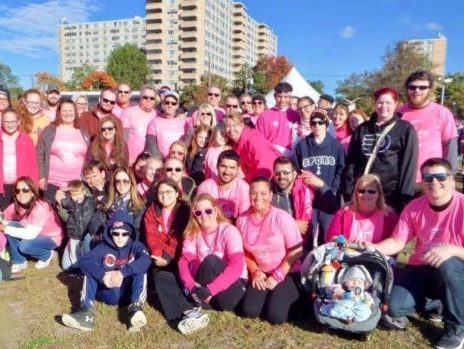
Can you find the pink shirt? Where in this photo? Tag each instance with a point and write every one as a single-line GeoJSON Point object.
{"type": "Point", "coordinates": [435, 127]}
{"type": "Point", "coordinates": [9, 158]}
{"type": "Point", "coordinates": [276, 125]}
{"type": "Point", "coordinates": [368, 228]}
{"type": "Point", "coordinates": [67, 156]}
{"type": "Point", "coordinates": [136, 121]}
{"type": "Point", "coordinates": [431, 228]}
{"type": "Point", "coordinates": [117, 110]}
{"type": "Point", "coordinates": [270, 239]}
{"type": "Point", "coordinates": [233, 201]}
{"type": "Point", "coordinates": [167, 131]}
{"type": "Point", "coordinates": [42, 215]}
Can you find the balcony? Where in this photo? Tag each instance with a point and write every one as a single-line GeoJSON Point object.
{"type": "Point", "coordinates": [188, 55]}
{"type": "Point", "coordinates": [188, 76]}
{"type": "Point", "coordinates": [155, 27]}
{"type": "Point", "coordinates": [189, 35]}
{"type": "Point", "coordinates": [153, 5]}
{"type": "Point", "coordinates": [189, 66]}
{"type": "Point", "coordinates": [154, 53]}
{"type": "Point", "coordinates": [189, 13]}
{"type": "Point", "coordinates": [239, 37]}
{"type": "Point", "coordinates": [188, 24]}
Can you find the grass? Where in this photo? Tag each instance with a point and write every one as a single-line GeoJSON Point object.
{"type": "Point", "coordinates": [30, 312]}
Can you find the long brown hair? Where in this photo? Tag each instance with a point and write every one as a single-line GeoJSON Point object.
{"type": "Point", "coordinates": [59, 119]}
{"type": "Point", "coordinates": [26, 120]}
{"type": "Point", "coordinates": [17, 205]}
{"type": "Point", "coordinates": [119, 150]}
{"type": "Point", "coordinates": [136, 202]}
{"type": "Point", "coordinates": [193, 148]}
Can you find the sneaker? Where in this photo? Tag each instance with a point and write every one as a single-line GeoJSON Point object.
{"type": "Point", "coordinates": [137, 318]}
{"type": "Point", "coordinates": [83, 320]}
{"type": "Point", "coordinates": [394, 323]}
{"type": "Point", "coordinates": [43, 264]}
{"type": "Point", "coordinates": [192, 321]}
{"type": "Point", "coordinates": [18, 267]}
{"type": "Point", "coordinates": [453, 338]}
{"type": "Point", "coordinates": [436, 318]}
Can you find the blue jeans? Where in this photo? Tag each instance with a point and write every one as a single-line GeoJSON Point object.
{"type": "Point", "coordinates": [414, 284]}
{"type": "Point", "coordinates": [74, 250]}
{"type": "Point", "coordinates": [39, 248]}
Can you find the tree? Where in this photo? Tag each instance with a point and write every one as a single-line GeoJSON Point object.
{"type": "Point", "coordinates": [43, 79]}
{"type": "Point", "coordinates": [128, 64]}
{"type": "Point", "coordinates": [99, 80]}
{"type": "Point", "coordinates": [79, 75]}
{"type": "Point", "coordinates": [269, 71]}
{"type": "Point", "coordinates": [318, 85]}
{"type": "Point", "coordinates": [7, 79]}
{"type": "Point", "coordinates": [241, 78]}
{"type": "Point", "coordinates": [197, 93]}
{"type": "Point", "coordinates": [454, 94]}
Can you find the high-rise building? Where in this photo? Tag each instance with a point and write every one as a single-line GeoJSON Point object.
{"type": "Point", "coordinates": [435, 50]}
{"type": "Point", "coordinates": [91, 43]}
{"type": "Point", "coordinates": [190, 38]}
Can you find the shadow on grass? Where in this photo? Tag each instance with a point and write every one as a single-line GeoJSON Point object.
{"type": "Point", "coordinates": [429, 330]}
{"type": "Point", "coordinates": [74, 285]}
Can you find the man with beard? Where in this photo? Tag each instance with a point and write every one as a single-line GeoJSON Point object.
{"type": "Point", "coordinates": [90, 120]}
{"type": "Point", "coordinates": [290, 194]}
{"type": "Point", "coordinates": [230, 191]}
{"type": "Point", "coordinates": [52, 98]}
{"type": "Point", "coordinates": [433, 123]}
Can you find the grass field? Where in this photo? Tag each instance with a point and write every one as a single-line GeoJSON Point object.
{"type": "Point", "coordinates": [30, 312]}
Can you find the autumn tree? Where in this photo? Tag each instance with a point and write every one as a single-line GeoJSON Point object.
{"type": "Point", "coordinates": [128, 63]}
{"type": "Point", "coordinates": [79, 75]}
{"type": "Point", "coordinates": [269, 71]}
{"type": "Point", "coordinates": [43, 79]}
{"type": "Point", "coordinates": [99, 80]}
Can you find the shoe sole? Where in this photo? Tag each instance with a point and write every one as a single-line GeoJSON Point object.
{"type": "Point", "coordinates": [69, 321]}
{"type": "Point", "coordinates": [460, 346]}
{"type": "Point", "coordinates": [189, 326]}
{"type": "Point", "coordinates": [19, 270]}
{"type": "Point", "coordinates": [138, 320]}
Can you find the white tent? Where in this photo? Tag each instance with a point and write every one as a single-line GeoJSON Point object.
{"type": "Point", "coordinates": [300, 87]}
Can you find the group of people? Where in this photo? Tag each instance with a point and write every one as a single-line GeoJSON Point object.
{"type": "Point", "coordinates": [219, 205]}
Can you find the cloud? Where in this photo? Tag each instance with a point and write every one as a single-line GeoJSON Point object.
{"type": "Point", "coordinates": [432, 26]}
{"type": "Point", "coordinates": [32, 30]}
{"type": "Point", "coordinates": [348, 32]}
{"type": "Point", "coordinates": [407, 20]}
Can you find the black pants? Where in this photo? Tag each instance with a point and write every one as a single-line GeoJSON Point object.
{"type": "Point", "coordinates": [50, 192]}
{"type": "Point", "coordinates": [7, 197]}
{"type": "Point", "coordinates": [274, 306]}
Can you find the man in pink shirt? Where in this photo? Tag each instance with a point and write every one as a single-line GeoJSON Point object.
{"type": "Point", "coordinates": [232, 104]}
{"type": "Point", "coordinates": [52, 98]}
{"type": "Point", "coordinates": [230, 191]}
{"type": "Point", "coordinates": [123, 99]}
{"type": "Point", "coordinates": [433, 123]}
{"type": "Point", "coordinates": [436, 267]}
{"type": "Point", "coordinates": [214, 97]}
{"type": "Point", "coordinates": [135, 121]}
{"type": "Point", "coordinates": [276, 124]}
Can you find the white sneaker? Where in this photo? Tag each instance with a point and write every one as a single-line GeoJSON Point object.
{"type": "Point", "coordinates": [193, 321]}
{"type": "Point", "coordinates": [41, 264]}
{"type": "Point", "coordinates": [19, 267]}
{"type": "Point", "coordinates": [137, 321]}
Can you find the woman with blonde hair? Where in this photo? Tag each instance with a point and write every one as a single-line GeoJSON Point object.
{"type": "Point", "coordinates": [367, 218]}
{"type": "Point", "coordinates": [212, 264]}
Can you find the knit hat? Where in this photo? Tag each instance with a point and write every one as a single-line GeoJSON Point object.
{"type": "Point", "coordinates": [320, 114]}
{"type": "Point", "coordinates": [328, 98]}
{"type": "Point", "coordinates": [118, 225]}
{"type": "Point", "coordinates": [358, 272]}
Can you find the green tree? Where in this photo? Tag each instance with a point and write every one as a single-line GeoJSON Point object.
{"type": "Point", "coordinates": [128, 64]}
{"type": "Point", "coordinates": [454, 94]}
{"type": "Point", "coordinates": [79, 75]}
{"type": "Point", "coordinates": [239, 84]}
{"type": "Point", "coordinates": [7, 79]}
{"type": "Point", "coordinates": [318, 85]}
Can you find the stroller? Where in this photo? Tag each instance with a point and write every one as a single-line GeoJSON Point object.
{"type": "Point", "coordinates": [338, 256]}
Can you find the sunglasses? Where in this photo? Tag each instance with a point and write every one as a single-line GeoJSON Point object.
{"type": "Point", "coordinates": [109, 128]}
{"type": "Point", "coordinates": [367, 191]}
{"type": "Point", "coordinates": [441, 177]}
{"type": "Point", "coordinates": [245, 102]}
{"type": "Point", "coordinates": [109, 101]}
{"type": "Point", "coordinates": [207, 211]}
{"type": "Point", "coordinates": [257, 102]}
{"type": "Point", "coordinates": [232, 106]}
{"type": "Point", "coordinates": [283, 173]}
{"type": "Point", "coordinates": [170, 103]}
{"type": "Point", "coordinates": [203, 114]}
{"type": "Point", "coordinates": [123, 92]}
{"type": "Point", "coordinates": [118, 234]}
{"type": "Point", "coordinates": [213, 94]}
{"type": "Point", "coordinates": [417, 87]}
{"type": "Point", "coordinates": [151, 98]}
{"type": "Point", "coordinates": [122, 181]}
{"type": "Point", "coordinates": [22, 190]}
{"type": "Point", "coordinates": [177, 169]}
{"type": "Point", "coordinates": [314, 123]}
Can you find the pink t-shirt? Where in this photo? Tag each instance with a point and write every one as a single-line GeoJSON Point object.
{"type": "Point", "coordinates": [370, 228]}
{"type": "Point", "coordinates": [9, 157]}
{"type": "Point", "coordinates": [117, 110]}
{"type": "Point", "coordinates": [253, 118]}
{"type": "Point", "coordinates": [136, 121]}
{"type": "Point", "coordinates": [167, 131]}
{"type": "Point", "coordinates": [431, 228]}
{"type": "Point", "coordinates": [67, 156]}
{"type": "Point", "coordinates": [233, 201]}
{"type": "Point", "coordinates": [276, 125]}
{"type": "Point", "coordinates": [435, 127]}
{"type": "Point", "coordinates": [270, 239]}
{"type": "Point", "coordinates": [42, 215]}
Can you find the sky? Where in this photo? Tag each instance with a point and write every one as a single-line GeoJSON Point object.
{"type": "Point", "coordinates": [326, 40]}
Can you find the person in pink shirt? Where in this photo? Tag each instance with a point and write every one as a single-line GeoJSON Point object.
{"type": "Point", "coordinates": [32, 227]}
{"type": "Point", "coordinates": [135, 121]}
{"type": "Point", "coordinates": [123, 99]}
{"type": "Point", "coordinates": [436, 268]}
{"type": "Point", "coordinates": [433, 123]}
{"type": "Point", "coordinates": [231, 192]}
{"type": "Point", "coordinates": [256, 152]}
{"type": "Point", "coordinates": [166, 128]}
{"type": "Point", "coordinates": [205, 116]}
{"type": "Point", "coordinates": [342, 128]}
{"type": "Point", "coordinates": [178, 150]}
{"type": "Point", "coordinates": [258, 106]}
{"type": "Point", "coordinates": [276, 124]}
{"type": "Point", "coordinates": [217, 144]}
{"type": "Point", "coordinates": [273, 245]}
{"type": "Point", "coordinates": [18, 156]}
{"type": "Point", "coordinates": [213, 98]}
{"type": "Point", "coordinates": [367, 218]}
{"type": "Point", "coordinates": [212, 264]}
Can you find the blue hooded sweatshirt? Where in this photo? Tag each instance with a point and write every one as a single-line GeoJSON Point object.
{"type": "Point", "coordinates": [131, 259]}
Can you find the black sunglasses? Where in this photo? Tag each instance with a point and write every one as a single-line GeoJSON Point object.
{"type": "Point", "coordinates": [148, 98]}
{"type": "Point", "coordinates": [416, 87]}
{"type": "Point", "coordinates": [213, 94]}
{"type": "Point", "coordinates": [122, 181]}
{"type": "Point", "coordinates": [441, 177]}
{"type": "Point", "coordinates": [22, 190]}
{"type": "Point", "coordinates": [177, 169]}
{"type": "Point", "coordinates": [109, 128]}
{"type": "Point", "coordinates": [109, 101]}
{"type": "Point", "coordinates": [368, 191]}
{"type": "Point", "coordinates": [314, 123]}
{"type": "Point", "coordinates": [117, 234]}
{"type": "Point", "coordinates": [171, 103]}
{"type": "Point", "coordinates": [124, 92]}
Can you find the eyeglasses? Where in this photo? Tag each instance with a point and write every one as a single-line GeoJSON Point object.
{"type": "Point", "coordinates": [213, 94]}
{"type": "Point", "coordinates": [304, 106]}
{"type": "Point", "coordinates": [441, 177]}
{"type": "Point", "coordinates": [109, 128]}
{"type": "Point", "coordinates": [12, 122]}
{"type": "Point", "coordinates": [32, 103]}
{"type": "Point", "coordinates": [314, 123]}
{"type": "Point", "coordinates": [166, 192]}
{"type": "Point", "coordinates": [109, 101]}
{"type": "Point", "coordinates": [22, 190]}
{"type": "Point", "coordinates": [205, 114]}
{"type": "Point", "coordinates": [118, 234]}
{"type": "Point", "coordinates": [171, 169]}
{"type": "Point", "coordinates": [207, 211]}
{"type": "Point", "coordinates": [245, 102]}
{"type": "Point", "coordinates": [151, 98]}
{"type": "Point", "coordinates": [232, 106]}
{"type": "Point", "coordinates": [257, 102]}
{"type": "Point", "coordinates": [123, 92]}
{"type": "Point", "coordinates": [122, 181]}
{"type": "Point", "coordinates": [171, 103]}
{"type": "Point", "coordinates": [417, 87]}
{"type": "Point", "coordinates": [283, 173]}
{"type": "Point", "coordinates": [367, 191]}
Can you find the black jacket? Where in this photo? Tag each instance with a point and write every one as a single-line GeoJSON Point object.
{"type": "Point", "coordinates": [79, 216]}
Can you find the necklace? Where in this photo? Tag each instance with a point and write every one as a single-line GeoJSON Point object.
{"type": "Point", "coordinates": [210, 249]}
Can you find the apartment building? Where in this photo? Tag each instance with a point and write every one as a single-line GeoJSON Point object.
{"type": "Point", "coordinates": [92, 42]}
{"type": "Point", "coordinates": [435, 50]}
{"type": "Point", "coordinates": [189, 38]}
